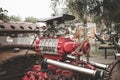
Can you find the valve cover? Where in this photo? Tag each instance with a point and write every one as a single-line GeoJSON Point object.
{"type": "Point", "coordinates": [58, 46]}
{"type": "Point", "coordinates": [48, 46]}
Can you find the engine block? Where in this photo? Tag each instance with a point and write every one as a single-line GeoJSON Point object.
{"type": "Point", "coordinates": [55, 47]}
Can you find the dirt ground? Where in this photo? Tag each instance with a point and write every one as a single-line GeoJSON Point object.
{"type": "Point", "coordinates": [98, 55]}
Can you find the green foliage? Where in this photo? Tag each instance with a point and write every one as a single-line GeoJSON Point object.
{"type": "Point", "coordinates": [106, 11]}
{"type": "Point", "coordinates": [3, 14]}
{"type": "Point", "coordinates": [14, 18]}
{"type": "Point", "coordinates": [80, 8]}
{"type": "Point", "coordinates": [31, 19]}
{"type": "Point", "coordinates": [111, 10]}
{"type": "Point", "coordinates": [54, 5]}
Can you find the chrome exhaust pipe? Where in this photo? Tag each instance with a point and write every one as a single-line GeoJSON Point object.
{"type": "Point", "coordinates": [98, 65]}
{"type": "Point", "coordinates": [94, 73]}
{"type": "Point", "coordinates": [117, 54]}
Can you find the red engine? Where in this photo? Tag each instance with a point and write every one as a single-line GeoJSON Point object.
{"type": "Point", "coordinates": [58, 48]}
{"type": "Point", "coordinates": [61, 58]}
{"type": "Point", "coordinates": [55, 48]}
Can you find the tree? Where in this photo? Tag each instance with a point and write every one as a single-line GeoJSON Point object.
{"type": "Point", "coordinates": [102, 11]}
{"type": "Point", "coordinates": [111, 13]}
{"type": "Point", "coordinates": [3, 14]}
{"type": "Point", "coordinates": [31, 19]}
{"type": "Point", "coordinates": [111, 10]}
{"type": "Point", "coordinates": [54, 7]}
{"type": "Point", "coordinates": [82, 9]}
{"type": "Point", "coordinates": [14, 18]}
{"type": "Point", "coordinates": [59, 6]}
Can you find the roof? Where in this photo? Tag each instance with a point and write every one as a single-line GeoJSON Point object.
{"type": "Point", "coordinates": [64, 17]}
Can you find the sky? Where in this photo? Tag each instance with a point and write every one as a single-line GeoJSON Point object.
{"type": "Point", "coordinates": [26, 8]}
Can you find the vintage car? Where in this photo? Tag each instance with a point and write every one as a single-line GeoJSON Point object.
{"type": "Point", "coordinates": [16, 43]}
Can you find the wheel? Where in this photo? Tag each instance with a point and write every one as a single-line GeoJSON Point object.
{"type": "Point", "coordinates": [113, 72]}
{"type": "Point", "coordinates": [14, 68]}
